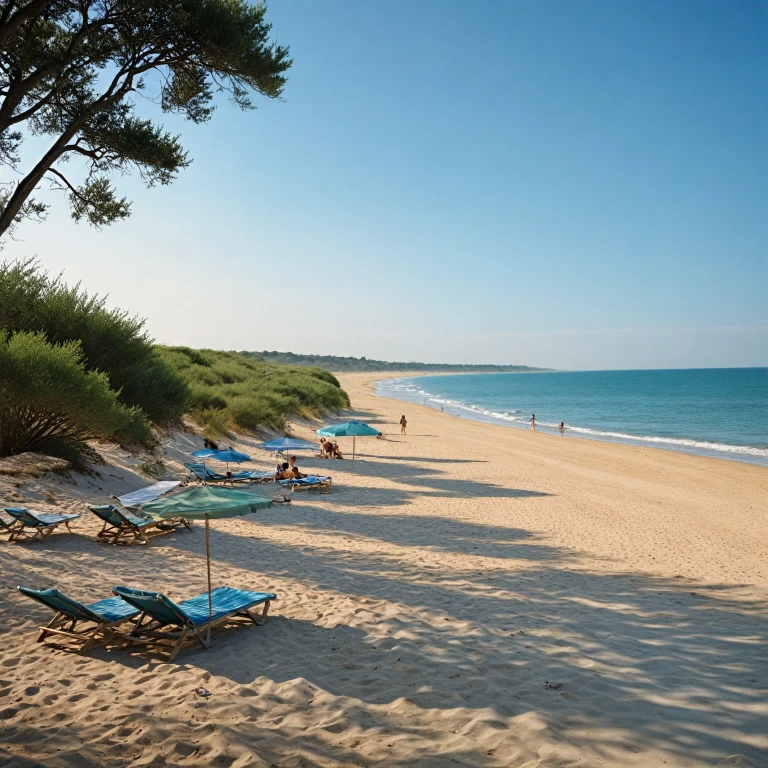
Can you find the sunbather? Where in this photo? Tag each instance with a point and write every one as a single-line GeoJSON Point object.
{"type": "Point", "coordinates": [336, 451]}
{"type": "Point", "coordinates": [326, 449]}
{"type": "Point", "coordinates": [283, 472]}
{"type": "Point", "coordinates": [293, 469]}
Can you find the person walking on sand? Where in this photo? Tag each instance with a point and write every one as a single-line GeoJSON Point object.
{"type": "Point", "coordinates": [533, 422]}
{"type": "Point", "coordinates": [403, 424]}
{"type": "Point", "coordinates": [562, 427]}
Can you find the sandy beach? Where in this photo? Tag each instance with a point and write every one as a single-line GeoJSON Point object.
{"type": "Point", "coordinates": [467, 595]}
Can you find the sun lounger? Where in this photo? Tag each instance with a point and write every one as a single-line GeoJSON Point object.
{"type": "Point", "coordinates": [206, 475]}
{"type": "Point", "coordinates": [41, 524]}
{"type": "Point", "coordinates": [166, 624]}
{"type": "Point", "coordinates": [100, 617]}
{"type": "Point", "coordinates": [124, 527]}
{"type": "Point", "coordinates": [9, 525]}
{"type": "Point", "coordinates": [322, 484]}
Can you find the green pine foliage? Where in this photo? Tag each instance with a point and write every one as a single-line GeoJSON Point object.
{"type": "Point", "coordinates": [50, 403]}
{"type": "Point", "coordinates": [229, 390]}
{"type": "Point", "coordinates": [77, 72]}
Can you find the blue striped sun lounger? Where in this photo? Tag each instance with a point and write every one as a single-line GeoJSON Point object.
{"type": "Point", "coordinates": [163, 623]}
{"type": "Point", "coordinates": [99, 618]}
{"type": "Point", "coordinates": [123, 527]}
{"type": "Point", "coordinates": [42, 524]}
{"type": "Point", "coordinates": [322, 484]}
{"type": "Point", "coordinates": [206, 475]}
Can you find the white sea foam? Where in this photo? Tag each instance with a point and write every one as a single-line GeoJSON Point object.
{"type": "Point", "coordinates": [409, 390]}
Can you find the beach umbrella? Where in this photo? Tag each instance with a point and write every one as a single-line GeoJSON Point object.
{"type": "Point", "coordinates": [224, 456]}
{"type": "Point", "coordinates": [206, 503]}
{"type": "Point", "coordinates": [285, 444]}
{"type": "Point", "coordinates": [351, 429]}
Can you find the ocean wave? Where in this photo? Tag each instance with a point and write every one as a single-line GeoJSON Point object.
{"type": "Point", "coordinates": [403, 389]}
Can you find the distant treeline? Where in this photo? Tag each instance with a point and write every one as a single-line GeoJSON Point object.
{"type": "Point", "coordinates": [341, 364]}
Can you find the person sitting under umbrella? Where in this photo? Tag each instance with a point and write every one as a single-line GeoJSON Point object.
{"type": "Point", "coordinates": [283, 472]}
{"type": "Point", "coordinates": [294, 470]}
{"type": "Point", "coordinates": [336, 451]}
{"type": "Point", "coordinates": [326, 449]}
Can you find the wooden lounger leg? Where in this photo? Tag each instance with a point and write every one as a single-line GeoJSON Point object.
{"type": "Point", "coordinates": [260, 619]}
{"type": "Point", "coordinates": [93, 636]}
{"type": "Point", "coordinates": [136, 626]}
{"type": "Point", "coordinates": [177, 647]}
{"type": "Point", "coordinates": [56, 621]}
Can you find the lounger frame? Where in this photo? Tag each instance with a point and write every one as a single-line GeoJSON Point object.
{"type": "Point", "coordinates": [207, 476]}
{"type": "Point", "coordinates": [160, 635]}
{"type": "Point", "coordinates": [28, 520]}
{"type": "Point", "coordinates": [66, 625]}
{"type": "Point", "coordinates": [321, 486]}
{"type": "Point", "coordinates": [6, 527]}
{"type": "Point", "coordinates": [118, 528]}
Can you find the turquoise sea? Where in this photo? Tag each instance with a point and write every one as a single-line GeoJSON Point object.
{"type": "Point", "coordinates": [720, 412]}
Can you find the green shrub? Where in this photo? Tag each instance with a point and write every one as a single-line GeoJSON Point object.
{"type": "Point", "coordinates": [52, 404]}
{"type": "Point", "coordinates": [111, 341]}
{"type": "Point", "coordinates": [228, 390]}
{"type": "Point", "coordinates": [153, 467]}
{"type": "Point", "coordinates": [215, 423]}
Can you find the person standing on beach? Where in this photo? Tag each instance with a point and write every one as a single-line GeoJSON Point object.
{"type": "Point", "coordinates": [562, 427]}
{"type": "Point", "coordinates": [403, 424]}
{"type": "Point", "coordinates": [533, 422]}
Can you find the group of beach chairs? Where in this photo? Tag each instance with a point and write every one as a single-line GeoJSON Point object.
{"type": "Point", "coordinates": [205, 475]}
{"type": "Point", "coordinates": [123, 525]}
{"type": "Point", "coordinates": [119, 526]}
{"type": "Point", "coordinates": [158, 622]}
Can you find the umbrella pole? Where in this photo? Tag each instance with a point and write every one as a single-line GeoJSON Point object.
{"type": "Point", "coordinates": [208, 559]}
{"type": "Point", "coordinates": [353, 447]}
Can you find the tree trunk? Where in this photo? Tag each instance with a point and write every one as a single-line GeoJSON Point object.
{"type": "Point", "coordinates": [9, 23]}
{"type": "Point", "coordinates": [27, 185]}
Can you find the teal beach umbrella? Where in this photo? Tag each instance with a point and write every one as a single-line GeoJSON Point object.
{"type": "Point", "coordinates": [206, 503]}
{"type": "Point", "coordinates": [351, 429]}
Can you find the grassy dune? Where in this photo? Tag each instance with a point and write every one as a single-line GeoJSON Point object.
{"type": "Point", "coordinates": [228, 390]}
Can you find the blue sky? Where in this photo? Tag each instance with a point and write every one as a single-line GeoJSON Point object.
{"type": "Point", "coordinates": [574, 185]}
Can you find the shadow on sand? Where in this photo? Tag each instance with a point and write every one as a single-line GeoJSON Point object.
{"type": "Point", "coordinates": [645, 664]}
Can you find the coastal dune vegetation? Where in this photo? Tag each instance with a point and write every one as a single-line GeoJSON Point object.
{"type": "Point", "coordinates": [73, 370]}
{"type": "Point", "coordinates": [230, 391]}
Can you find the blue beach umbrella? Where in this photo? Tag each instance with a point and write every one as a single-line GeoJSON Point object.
{"type": "Point", "coordinates": [224, 456]}
{"type": "Point", "coordinates": [351, 429]}
{"type": "Point", "coordinates": [284, 444]}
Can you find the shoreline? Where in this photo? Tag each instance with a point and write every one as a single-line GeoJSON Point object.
{"type": "Point", "coordinates": [666, 444]}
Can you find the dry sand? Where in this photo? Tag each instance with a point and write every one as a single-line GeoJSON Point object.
{"type": "Point", "coordinates": [468, 595]}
